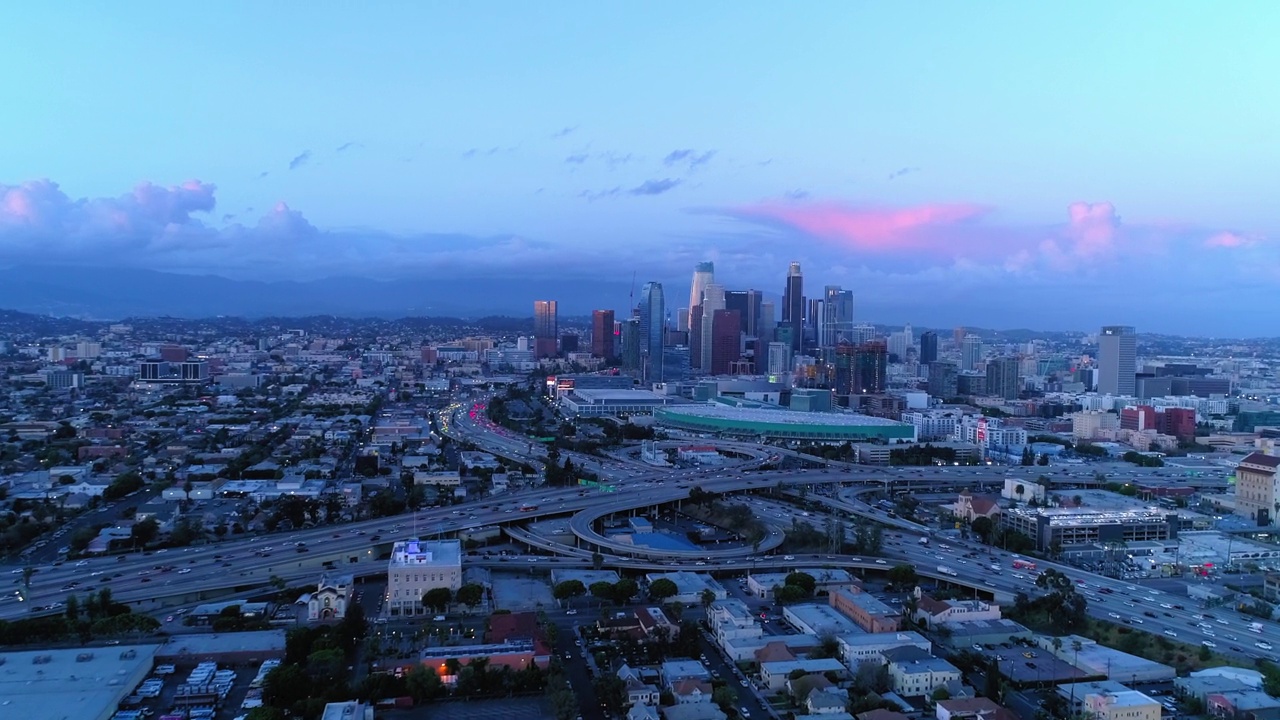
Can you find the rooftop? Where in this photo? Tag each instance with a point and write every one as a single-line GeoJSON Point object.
{"type": "Point", "coordinates": [783, 417]}
{"type": "Point", "coordinates": [74, 684]}
{"type": "Point", "coordinates": [411, 553]}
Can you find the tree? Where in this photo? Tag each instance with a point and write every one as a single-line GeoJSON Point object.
{"type": "Point", "coordinates": [597, 560]}
{"type": "Point", "coordinates": [471, 594]}
{"type": "Point", "coordinates": [787, 594]}
{"type": "Point", "coordinates": [624, 590]}
{"type": "Point", "coordinates": [804, 581]}
{"type": "Point", "coordinates": [144, 532]}
{"type": "Point", "coordinates": [983, 528]}
{"type": "Point", "coordinates": [569, 589]}
{"type": "Point", "coordinates": [437, 599]}
{"type": "Point", "coordinates": [662, 589]}
{"type": "Point", "coordinates": [708, 597]}
{"type": "Point", "coordinates": [73, 608]}
{"type": "Point", "coordinates": [602, 590]}
{"type": "Point", "coordinates": [903, 576]}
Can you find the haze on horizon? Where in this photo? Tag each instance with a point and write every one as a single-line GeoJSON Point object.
{"type": "Point", "coordinates": [1046, 166]}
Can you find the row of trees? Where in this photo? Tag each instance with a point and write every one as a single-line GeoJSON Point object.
{"type": "Point", "coordinates": [619, 593]}
{"type": "Point", "coordinates": [439, 599]}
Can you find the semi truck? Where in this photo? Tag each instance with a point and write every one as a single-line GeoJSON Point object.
{"type": "Point", "coordinates": [923, 540]}
{"type": "Point", "coordinates": [947, 571]}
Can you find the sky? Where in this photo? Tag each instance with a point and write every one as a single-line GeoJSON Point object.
{"type": "Point", "coordinates": [1000, 164]}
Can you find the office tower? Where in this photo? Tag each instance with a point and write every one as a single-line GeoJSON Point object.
{"type": "Point", "coordinates": [837, 307]}
{"type": "Point", "coordinates": [726, 340]}
{"type": "Point", "coordinates": [928, 347]}
{"type": "Point", "coordinates": [970, 352]}
{"type": "Point", "coordinates": [779, 358]}
{"type": "Point", "coordinates": [712, 300]}
{"type": "Point", "coordinates": [682, 320]}
{"type": "Point", "coordinates": [901, 342]}
{"type": "Point", "coordinates": [1117, 360]}
{"type": "Point", "coordinates": [813, 320]}
{"type": "Point", "coordinates": [652, 324]}
{"type": "Point", "coordinates": [747, 303]}
{"type": "Point", "coordinates": [1004, 377]}
{"type": "Point", "coordinates": [859, 334]}
{"type": "Point", "coordinates": [545, 328]}
{"type": "Point", "coordinates": [957, 335]}
{"type": "Point", "coordinates": [631, 345]}
{"type": "Point", "coordinates": [602, 334]}
{"type": "Point", "coordinates": [704, 273]}
{"type": "Point", "coordinates": [695, 337]}
{"type": "Point", "coordinates": [861, 369]}
{"type": "Point", "coordinates": [568, 343]}
{"type": "Point", "coordinates": [767, 321]}
{"type": "Point", "coordinates": [793, 306]}
{"type": "Point", "coordinates": [944, 380]}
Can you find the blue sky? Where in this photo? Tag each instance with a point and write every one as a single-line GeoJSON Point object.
{"type": "Point", "coordinates": [906, 150]}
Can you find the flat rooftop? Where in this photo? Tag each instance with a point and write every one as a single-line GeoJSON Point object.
{"type": "Point", "coordinates": [414, 553]}
{"type": "Point", "coordinates": [196, 646]}
{"type": "Point", "coordinates": [785, 417]}
{"type": "Point", "coordinates": [74, 684]}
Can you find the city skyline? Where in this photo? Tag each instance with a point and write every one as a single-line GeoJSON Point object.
{"type": "Point", "coordinates": [985, 184]}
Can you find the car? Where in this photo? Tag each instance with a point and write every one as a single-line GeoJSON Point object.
{"type": "Point", "coordinates": [881, 562]}
{"type": "Point", "coordinates": [169, 619]}
{"type": "Point", "coordinates": [788, 557]}
{"type": "Point", "coordinates": [1209, 643]}
{"type": "Point", "coordinates": [184, 571]}
{"type": "Point", "coordinates": [977, 647]}
{"type": "Point", "coordinates": [1136, 619]}
{"type": "Point", "coordinates": [1170, 633]}
{"type": "Point", "coordinates": [571, 611]}
{"type": "Point", "coordinates": [438, 618]}
{"type": "Point", "coordinates": [1263, 645]}
{"type": "Point", "coordinates": [745, 712]}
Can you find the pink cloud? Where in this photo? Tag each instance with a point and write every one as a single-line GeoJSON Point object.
{"type": "Point", "coordinates": [874, 229]}
{"type": "Point", "coordinates": [1227, 239]}
{"type": "Point", "coordinates": [1093, 228]}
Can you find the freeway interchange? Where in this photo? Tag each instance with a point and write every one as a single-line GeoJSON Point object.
{"type": "Point", "coordinates": [154, 581]}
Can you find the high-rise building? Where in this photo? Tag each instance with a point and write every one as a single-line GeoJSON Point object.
{"type": "Point", "coordinates": [1004, 377]}
{"type": "Point", "coordinates": [928, 347]}
{"type": "Point", "coordinates": [545, 328]}
{"type": "Point", "coordinates": [704, 273]}
{"type": "Point", "coordinates": [747, 303]}
{"type": "Point", "coordinates": [970, 352]}
{"type": "Point", "coordinates": [712, 300]}
{"type": "Point", "coordinates": [861, 369]}
{"type": "Point", "coordinates": [779, 358]}
{"type": "Point", "coordinates": [630, 334]}
{"type": "Point", "coordinates": [813, 320]}
{"type": "Point", "coordinates": [652, 325]}
{"type": "Point", "coordinates": [1117, 360]}
{"type": "Point", "coordinates": [682, 320]}
{"type": "Point", "coordinates": [767, 321]}
{"type": "Point", "coordinates": [695, 337]}
{"type": "Point", "coordinates": [793, 306]}
{"type": "Point", "coordinates": [837, 309]}
{"type": "Point", "coordinates": [602, 334]}
{"type": "Point", "coordinates": [944, 380]}
{"type": "Point", "coordinates": [726, 340]}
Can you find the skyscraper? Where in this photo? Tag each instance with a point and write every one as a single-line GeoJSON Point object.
{"type": "Point", "coordinates": [943, 380]}
{"type": "Point", "coordinates": [545, 328]}
{"type": "Point", "coordinates": [970, 352]}
{"type": "Point", "coordinates": [704, 273]}
{"type": "Point", "coordinates": [652, 324]}
{"type": "Point", "coordinates": [1004, 377]}
{"type": "Point", "coordinates": [837, 308]}
{"type": "Point", "coordinates": [928, 347]}
{"type": "Point", "coordinates": [747, 303]}
{"type": "Point", "coordinates": [868, 368]}
{"type": "Point", "coordinates": [1117, 360]}
{"type": "Point", "coordinates": [726, 340]}
{"type": "Point", "coordinates": [630, 335]}
{"type": "Point", "coordinates": [712, 300]}
{"type": "Point", "coordinates": [602, 334]}
{"type": "Point", "coordinates": [767, 321]}
{"type": "Point", "coordinates": [695, 337]}
{"type": "Point", "coordinates": [793, 306]}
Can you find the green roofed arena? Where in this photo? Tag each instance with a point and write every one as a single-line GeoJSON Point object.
{"type": "Point", "coordinates": [769, 423]}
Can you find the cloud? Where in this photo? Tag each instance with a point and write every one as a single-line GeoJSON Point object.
{"type": "Point", "coordinates": [592, 196]}
{"type": "Point", "coordinates": [689, 157]}
{"type": "Point", "coordinates": [796, 194]}
{"type": "Point", "coordinates": [577, 158]}
{"type": "Point", "coordinates": [348, 146]}
{"type": "Point", "coordinates": [300, 160]}
{"type": "Point", "coordinates": [1227, 239]}
{"type": "Point", "coordinates": [864, 228]}
{"type": "Point", "coordinates": [476, 152]}
{"type": "Point", "coordinates": [562, 132]}
{"type": "Point", "coordinates": [902, 171]}
{"type": "Point", "coordinates": [263, 174]}
{"type": "Point", "coordinates": [654, 187]}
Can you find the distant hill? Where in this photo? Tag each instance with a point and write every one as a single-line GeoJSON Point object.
{"type": "Point", "coordinates": [108, 294]}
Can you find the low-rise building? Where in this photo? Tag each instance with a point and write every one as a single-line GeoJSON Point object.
{"type": "Point", "coordinates": [869, 613]}
{"type": "Point", "coordinates": [329, 601]}
{"type": "Point", "coordinates": [1123, 705]}
{"type": "Point", "coordinates": [417, 566]}
{"type": "Point", "coordinates": [774, 675]}
{"type": "Point", "coordinates": [815, 619]}
{"type": "Point", "coordinates": [931, 611]}
{"type": "Point", "coordinates": [690, 586]}
{"type": "Point", "coordinates": [857, 648]}
{"type": "Point", "coordinates": [915, 672]}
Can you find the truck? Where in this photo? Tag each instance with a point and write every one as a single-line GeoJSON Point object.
{"type": "Point", "coordinates": [947, 571]}
{"type": "Point", "coordinates": [923, 541]}
{"type": "Point", "coordinates": [1255, 627]}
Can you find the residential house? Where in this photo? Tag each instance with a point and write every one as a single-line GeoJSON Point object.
{"type": "Point", "coordinates": [915, 672]}
{"type": "Point", "coordinates": [972, 708]}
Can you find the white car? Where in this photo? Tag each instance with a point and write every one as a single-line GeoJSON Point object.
{"type": "Point", "coordinates": [1263, 645]}
{"type": "Point", "coordinates": [1208, 643]}
{"type": "Point", "coordinates": [1114, 615]}
{"type": "Point", "coordinates": [1170, 633]}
